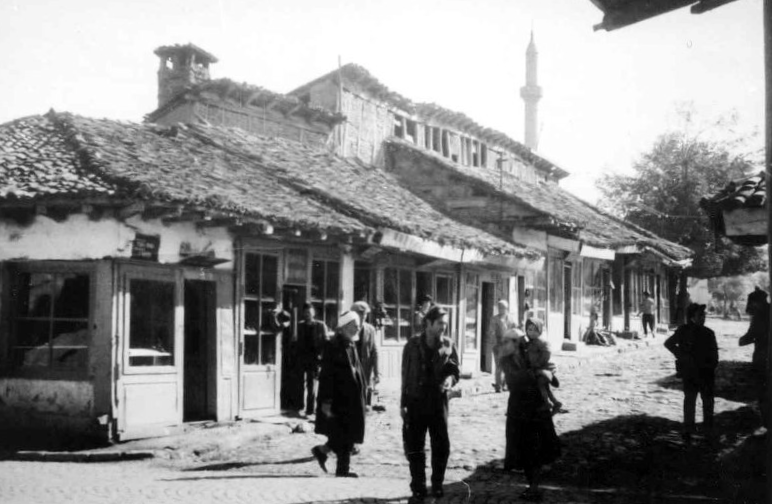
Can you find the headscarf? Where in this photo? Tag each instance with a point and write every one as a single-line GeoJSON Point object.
{"type": "Point", "coordinates": [538, 324]}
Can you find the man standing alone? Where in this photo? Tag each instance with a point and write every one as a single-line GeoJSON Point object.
{"type": "Point", "coordinates": [429, 370]}
{"type": "Point", "coordinates": [696, 353]}
{"type": "Point", "coordinates": [647, 313]}
{"type": "Point", "coordinates": [500, 324]}
{"type": "Point", "coordinates": [312, 336]}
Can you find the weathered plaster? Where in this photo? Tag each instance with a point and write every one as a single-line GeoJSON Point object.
{"type": "Point", "coordinates": [80, 238]}
{"type": "Point", "coordinates": [56, 397]}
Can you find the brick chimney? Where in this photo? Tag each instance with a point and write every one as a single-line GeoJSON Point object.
{"type": "Point", "coordinates": [181, 66]}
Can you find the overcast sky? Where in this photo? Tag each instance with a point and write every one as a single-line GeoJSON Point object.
{"type": "Point", "coordinates": [607, 95]}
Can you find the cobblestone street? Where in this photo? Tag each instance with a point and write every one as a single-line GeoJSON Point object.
{"type": "Point", "coordinates": [620, 436]}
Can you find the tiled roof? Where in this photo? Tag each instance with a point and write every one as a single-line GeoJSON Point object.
{"type": "Point", "coordinates": [749, 192]}
{"type": "Point", "coordinates": [594, 226]}
{"type": "Point", "coordinates": [284, 182]}
{"type": "Point", "coordinates": [362, 79]}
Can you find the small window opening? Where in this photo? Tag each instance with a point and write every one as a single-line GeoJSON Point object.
{"type": "Point", "coordinates": [483, 155]}
{"type": "Point", "coordinates": [411, 131]}
{"type": "Point", "coordinates": [475, 153]}
{"type": "Point", "coordinates": [436, 141]}
{"type": "Point", "coordinates": [445, 144]}
{"type": "Point", "coordinates": [428, 137]}
{"type": "Point", "coordinates": [399, 129]}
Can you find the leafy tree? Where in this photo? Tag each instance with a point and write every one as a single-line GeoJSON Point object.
{"type": "Point", "coordinates": [731, 292]}
{"type": "Point", "coordinates": [663, 194]}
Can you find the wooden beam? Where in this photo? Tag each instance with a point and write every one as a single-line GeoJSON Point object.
{"type": "Point", "coordinates": [131, 210]}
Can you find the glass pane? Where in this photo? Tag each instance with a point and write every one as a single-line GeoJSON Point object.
{"type": "Point", "coordinates": [268, 355]}
{"type": "Point", "coordinates": [444, 290]}
{"type": "Point", "coordinates": [405, 288]}
{"type": "Point", "coordinates": [32, 347]}
{"type": "Point", "coordinates": [390, 327]}
{"type": "Point", "coordinates": [270, 272]}
{"type": "Point", "coordinates": [317, 280]}
{"type": "Point", "coordinates": [297, 262]}
{"type": "Point", "coordinates": [390, 286]}
{"type": "Point", "coordinates": [331, 315]}
{"type": "Point", "coordinates": [151, 323]}
{"type": "Point", "coordinates": [72, 296]}
{"type": "Point", "coordinates": [70, 344]}
{"type": "Point", "coordinates": [470, 321]}
{"type": "Point", "coordinates": [405, 323]}
{"type": "Point", "coordinates": [252, 274]}
{"type": "Point", "coordinates": [34, 294]}
{"type": "Point", "coordinates": [251, 348]}
{"type": "Point", "coordinates": [251, 316]}
{"type": "Point", "coordinates": [361, 284]}
{"type": "Point", "coordinates": [423, 285]}
{"type": "Point", "coordinates": [30, 333]}
{"type": "Point", "coordinates": [333, 281]}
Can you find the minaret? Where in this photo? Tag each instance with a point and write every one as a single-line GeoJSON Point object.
{"type": "Point", "coordinates": [531, 93]}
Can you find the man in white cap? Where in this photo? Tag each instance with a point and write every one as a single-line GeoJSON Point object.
{"type": "Point", "coordinates": [341, 410]}
{"type": "Point", "coordinates": [500, 324]}
{"type": "Point", "coordinates": [368, 350]}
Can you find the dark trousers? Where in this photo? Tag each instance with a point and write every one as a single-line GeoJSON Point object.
{"type": "Point", "coordinates": [342, 450]}
{"type": "Point", "coordinates": [309, 375]}
{"type": "Point", "coordinates": [704, 384]}
{"type": "Point", "coordinates": [648, 320]}
{"type": "Point", "coordinates": [417, 423]}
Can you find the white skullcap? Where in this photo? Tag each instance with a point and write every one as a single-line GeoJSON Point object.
{"type": "Point", "coordinates": [347, 318]}
{"type": "Point", "coordinates": [361, 306]}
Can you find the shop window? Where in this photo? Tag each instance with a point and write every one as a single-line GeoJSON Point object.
{"type": "Point", "coordinates": [398, 303]}
{"type": "Point", "coordinates": [50, 319]}
{"type": "Point", "coordinates": [576, 288]}
{"type": "Point", "coordinates": [260, 291]}
{"type": "Point", "coordinates": [325, 286]}
{"type": "Point", "coordinates": [556, 284]}
{"type": "Point", "coordinates": [151, 322]}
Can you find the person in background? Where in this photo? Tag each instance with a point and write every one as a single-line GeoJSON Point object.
{"type": "Point", "coordinates": [758, 335]}
{"type": "Point", "coordinates": [425, 302]}
{"type": "Point", "coordinates": [531, 440]}
{"type": "Point", "coordinates": [647, 313]}
{"type": "Point", "coordinates": [430, 368]}
{"type": "Point", "coordinates": [368, 350]}
{"type": "Point", "coordinates": [696, 352]}
{"type": "Point", "coordinates": [499, 324]}
{"type": "Point", "coordinates": [341, 409]}
{"type": "Point", "coordinates": [312, 336]}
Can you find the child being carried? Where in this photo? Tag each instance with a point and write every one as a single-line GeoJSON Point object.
{"type": "Point", "coordinates": [538, 355]}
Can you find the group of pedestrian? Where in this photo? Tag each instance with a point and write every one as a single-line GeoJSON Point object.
{"type": "Point", "coordinates": [696, 351]}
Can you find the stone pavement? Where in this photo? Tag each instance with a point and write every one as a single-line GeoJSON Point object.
{"type": "Point", "coordinates": [620, 440]}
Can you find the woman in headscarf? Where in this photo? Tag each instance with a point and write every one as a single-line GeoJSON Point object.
{"type": "Point", "coordinates": [341, 400]}
{"type": "Point", "coordinates": [530, 432]}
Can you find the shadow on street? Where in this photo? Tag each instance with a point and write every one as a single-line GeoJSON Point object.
{"type": "Point", "coordinates": [733, 381]}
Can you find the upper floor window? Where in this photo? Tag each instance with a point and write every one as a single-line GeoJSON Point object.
{"type": "Point", "coordinates": [50, 313]}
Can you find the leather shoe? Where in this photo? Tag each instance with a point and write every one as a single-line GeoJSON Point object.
{"type": "Point", "coordinates": [320, 457]}
{"type": "Point", "coordinates": [348, 474]}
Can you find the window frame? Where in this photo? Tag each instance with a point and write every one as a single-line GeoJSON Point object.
{"type": "Point", "coordinates": [260, 299]}
{"type": "Point", "coordinates": [7, 314]}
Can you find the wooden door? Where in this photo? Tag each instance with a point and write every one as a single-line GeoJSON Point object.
{"type": "Point", "coordinates": [260, 347]}
{"type": "Point", "coordinates": [150, 343]}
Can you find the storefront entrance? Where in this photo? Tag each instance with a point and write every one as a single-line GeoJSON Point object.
{"type": "Point", "coordinates": [200, 336]}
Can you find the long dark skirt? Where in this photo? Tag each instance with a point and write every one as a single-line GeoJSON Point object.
{"type": "Point", "coordinates": [531, 442]}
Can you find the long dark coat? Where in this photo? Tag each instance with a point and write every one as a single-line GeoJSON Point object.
{"type": "Point", "coordinates": [342, 384]}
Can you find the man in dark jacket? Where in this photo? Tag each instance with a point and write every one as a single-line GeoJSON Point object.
{"type": "Point", "coordinates": [429, 370]}
{"type": "Point", "coordinates": [758, 335]}
{"type": "Point", "coordinates": [368, 350]}
{"type": "Point", "coordinates": [696, 353]}
{"type": "Point", "coordinates": [341, 411]}
{"type": "Point", "coordinates": [312, 335]}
